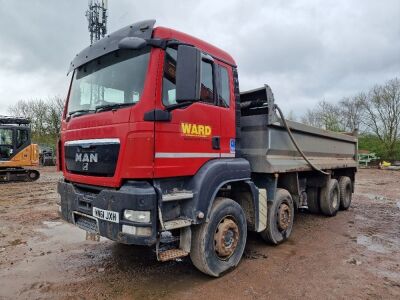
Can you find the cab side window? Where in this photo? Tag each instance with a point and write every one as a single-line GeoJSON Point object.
{"type": "Point", "coordinates": [169, 83]}
{"type": "Point", "coordinates": [22, 137]}
{"type": "Point", "coordinates": [224, 93]}
{"type": "Point", "coordinates": [169, 80]}
{"type": "Point", "coordinates": [207, 83]}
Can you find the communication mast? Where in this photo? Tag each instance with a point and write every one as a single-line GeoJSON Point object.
{"type": "Point", "coordinates": [97, 18]}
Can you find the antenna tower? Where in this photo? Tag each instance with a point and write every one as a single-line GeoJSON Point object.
{"type": "Point", "coordinates": [97, 18]}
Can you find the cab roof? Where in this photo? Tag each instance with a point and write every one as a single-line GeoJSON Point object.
{"type": "Point", "coordinates": [144, 29]}
{"type": "Point", "coordinates": [168, 33]}
{"type": "Point", "coordinates": [7, 120]}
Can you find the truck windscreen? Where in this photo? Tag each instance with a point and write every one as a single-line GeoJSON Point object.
{"type": "Point", "coordinates": [113, 80]}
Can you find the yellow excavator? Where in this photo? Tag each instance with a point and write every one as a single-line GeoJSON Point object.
{"type": "Point", "coordinates": [16, 150]}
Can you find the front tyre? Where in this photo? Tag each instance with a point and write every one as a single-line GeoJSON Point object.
{"type": "Point", "coordinates": [280, 218]}
{"type": "Point", "coordinates": [218, 245]}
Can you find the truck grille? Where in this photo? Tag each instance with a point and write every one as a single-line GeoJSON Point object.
{"type": "Point", "coordinates": [92, 157]}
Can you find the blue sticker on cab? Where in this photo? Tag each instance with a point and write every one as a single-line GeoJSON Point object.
{"type": "Point", "coordinates": [232, 145]}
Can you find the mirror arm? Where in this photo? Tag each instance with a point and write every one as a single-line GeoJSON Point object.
{"type": "Point", "coordinates": [163, 44]}
{"type": "Point", "coordinates": [171, 43]}
{"type": "Point", "coordinates": [157, 43]}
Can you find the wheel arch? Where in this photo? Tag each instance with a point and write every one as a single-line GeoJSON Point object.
{"type": "Point", "coordinates": [229, 178]}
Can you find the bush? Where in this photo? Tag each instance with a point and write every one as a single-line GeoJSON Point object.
{"type": "Point", "coordinates": [373, 144]}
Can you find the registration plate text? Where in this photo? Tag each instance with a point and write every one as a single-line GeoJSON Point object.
{"type": "Point", "coordinates": [106, 215]}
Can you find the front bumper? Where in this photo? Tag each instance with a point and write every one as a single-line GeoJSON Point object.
{"type": "Point", "coordinates": [77, 202]}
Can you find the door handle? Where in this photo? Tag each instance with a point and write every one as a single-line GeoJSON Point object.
{"type": "Point", "coordinates": [216, 142]}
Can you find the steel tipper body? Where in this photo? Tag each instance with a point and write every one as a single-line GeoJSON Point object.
{"type": "Point", "coordinates": [155, 147]}
{"type": "Point", "coordinates": [265, 142]}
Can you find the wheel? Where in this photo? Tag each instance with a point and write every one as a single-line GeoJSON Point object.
{"type": "Point", "coordinates": [330, 198]}
{"type": "Point", "coordinates": [280, 218]}
{"type": "Point", "coordinates": [33, 175]}
{"type": "Point", "coordinates": [218, 245]}
{"type": "Point", "coordinates": [346, 192]}
{"type": "Point", "coordinates": [313, 200]}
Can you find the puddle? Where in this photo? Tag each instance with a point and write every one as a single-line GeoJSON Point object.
{"type": "Point", "coordinates": [360, 218]}
{"type": "Point", "coordinates": [375, 197]}
{"type": "Point", "coordinates": [373, 243]}
{"type": "Point", "coordinates": [61, 232]}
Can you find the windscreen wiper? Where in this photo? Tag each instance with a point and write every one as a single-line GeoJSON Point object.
{"type": "Point", "coordinates": [70, 114]}
{"type": "Point", "coordinates": [111, 106]}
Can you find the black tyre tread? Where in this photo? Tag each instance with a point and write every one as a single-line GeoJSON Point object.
{"type": "Point", "coordinates": [200, 233]}
{"type": "Point", "coordinates": [344, 182]}
{"type": "Point", "coordinates": [325, 201]}
{"type": "Point", "coordinates": [267, 233]}
{"type": "Point", "coordinates": [313, 200]}
{"type": "Point", "coordinates": [195, 252]}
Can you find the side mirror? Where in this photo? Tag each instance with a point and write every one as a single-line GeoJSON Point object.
{"type": "Point", "coordinates": [188, 74]}
{"type": "Point", "coordinates": [132, 43]}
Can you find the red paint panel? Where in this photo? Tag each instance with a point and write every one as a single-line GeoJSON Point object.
{"type": "Point", "coordinates": [171, 138]}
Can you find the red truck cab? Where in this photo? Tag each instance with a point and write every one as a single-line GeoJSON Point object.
{"type": "Point", "coordinates": [151, 147]}
{"type": "Point", "coordinates": [130, 149]}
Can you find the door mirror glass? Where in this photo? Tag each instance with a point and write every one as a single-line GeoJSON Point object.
{"type": "Point", "coordinates": [188, 74]}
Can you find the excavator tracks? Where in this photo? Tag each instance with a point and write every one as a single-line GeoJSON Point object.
{"type": "Point", "coordinates": [18, 174]}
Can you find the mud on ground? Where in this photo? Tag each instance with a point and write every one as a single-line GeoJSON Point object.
{"type": "Point", "coordinates": [353, 255]}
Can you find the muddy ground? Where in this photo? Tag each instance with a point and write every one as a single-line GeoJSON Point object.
{"type": "Point", "coordinates": [353, 255]}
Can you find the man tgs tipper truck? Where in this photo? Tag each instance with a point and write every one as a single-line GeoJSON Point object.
{"type": "Point", "coordinates": [158, 144]}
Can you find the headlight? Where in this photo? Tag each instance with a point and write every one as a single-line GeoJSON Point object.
{"type": "Point", "coordinates": [137, 216]}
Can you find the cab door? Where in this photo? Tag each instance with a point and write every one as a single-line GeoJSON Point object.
{"type": "Point", "coordinates": [192, 136]}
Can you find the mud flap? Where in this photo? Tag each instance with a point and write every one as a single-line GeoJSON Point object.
{"type": "Point", "coordinates": [262, 210]}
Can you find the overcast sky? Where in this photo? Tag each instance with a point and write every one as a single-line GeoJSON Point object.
{"type": "Point", "coordinates": [305, 50]}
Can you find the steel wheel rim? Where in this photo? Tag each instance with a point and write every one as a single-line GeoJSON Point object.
{"type": "Point", "coordinates": [226, 238]}
{"type": "Point", "coordinates": [284, 217]}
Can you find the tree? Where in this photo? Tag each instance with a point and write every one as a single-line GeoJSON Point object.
{"type": "Point", "coordinates": [45, 116]}
{"type": "Point", "coordinates": [330, 116]}
{"type": "Point", "coordinates": [351, 111]}
{"type": "Point", "coordinates": [382, 114]}
{"type": "Point", "coordinates": [312, 118]}
{"type": "Point", "coordinates": [55, 108]}
{"type": "Point", "coordinates": [325, 116]}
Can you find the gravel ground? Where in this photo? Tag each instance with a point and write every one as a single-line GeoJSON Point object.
{"type": "Point", "coordinates": [353, 255]}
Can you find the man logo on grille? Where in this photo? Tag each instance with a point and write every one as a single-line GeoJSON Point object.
{"type": "Point", "coordinates": [86, 157]}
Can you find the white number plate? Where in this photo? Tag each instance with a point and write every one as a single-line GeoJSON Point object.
{"type": "Point", "coordinates": [107, 215]}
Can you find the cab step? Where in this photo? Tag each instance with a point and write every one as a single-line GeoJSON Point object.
{"type": "Point", "coordinates": [177, 223]}
{"type": "Point", "coordinates": [171, 254]}
{"type": "Point", "coordinates": [177, 196]}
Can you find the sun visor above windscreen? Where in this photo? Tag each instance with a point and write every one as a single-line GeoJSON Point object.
{"type": "Point", "coordinates": [109, 43]}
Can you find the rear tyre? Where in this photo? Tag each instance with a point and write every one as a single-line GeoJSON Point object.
{"type": "Point", "coordinates": [330, 198]}
{"type": "Point", "coordinates": [346, 192]}
{"type": "Point", "coordinates": [218, 245]}
{"type": "Point", "coordinates": [313, 200]}
{"type": "Point", "coordinates": [280, 218]}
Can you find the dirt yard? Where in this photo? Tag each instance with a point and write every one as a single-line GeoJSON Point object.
{"type": "Point", "coordinates": [353, 255]}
